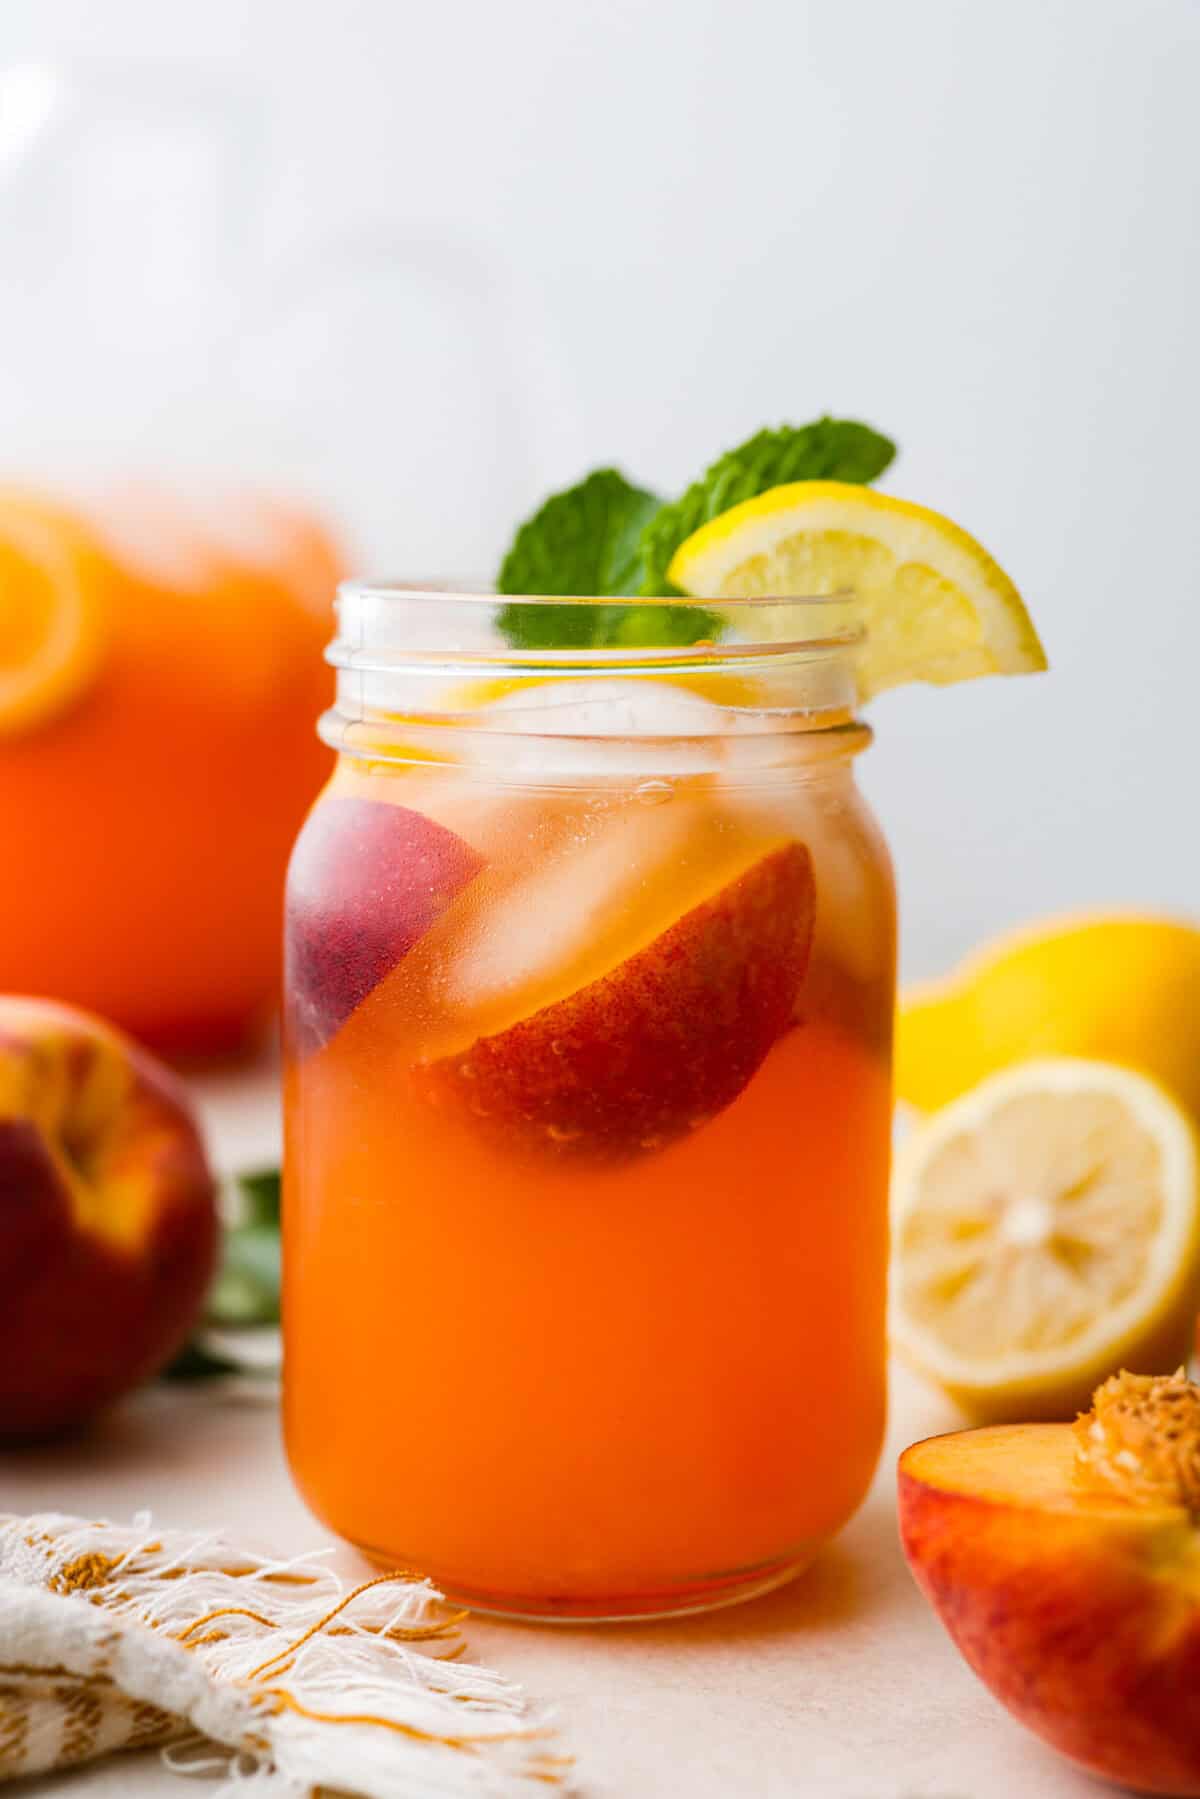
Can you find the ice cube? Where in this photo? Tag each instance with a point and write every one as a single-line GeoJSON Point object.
{"type": "Point", "coordinates": [572, 730]}
{"type": "Point", "coordinates": [606, 890]}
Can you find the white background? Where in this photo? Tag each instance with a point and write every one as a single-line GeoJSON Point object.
{"type": "Point", "coordinates": [431, 259]}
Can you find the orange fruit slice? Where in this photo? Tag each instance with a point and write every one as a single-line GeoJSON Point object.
{"type": "Point", "coordinates": [52, 614]}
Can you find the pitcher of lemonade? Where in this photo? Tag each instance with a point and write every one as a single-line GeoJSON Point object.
{"type": "Point", "coordinates": [175, 434]}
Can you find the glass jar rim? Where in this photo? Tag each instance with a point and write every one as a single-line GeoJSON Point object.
{"type": "Point", "coordinates": [451, 665]}
{"type": "Point", "coordinates": [372, 615]}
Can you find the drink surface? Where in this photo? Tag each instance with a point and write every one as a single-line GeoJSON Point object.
{"type": "Point", "coordinates": [588, 1114]}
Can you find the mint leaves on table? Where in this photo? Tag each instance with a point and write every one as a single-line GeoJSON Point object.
{"type": "Point", "coordinates": [261, 1195]}
{"type": "Point", "coordinates": [606, 537]}
{"type": "Point", "coordinates": [245, 1292]}
{"type": "Point", "coordinates": [195, 1362]}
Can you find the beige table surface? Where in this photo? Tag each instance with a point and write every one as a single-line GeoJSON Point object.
{"type": "Point", "coordinates": [841, 1685]}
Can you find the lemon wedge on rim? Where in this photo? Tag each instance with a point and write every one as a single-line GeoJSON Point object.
{"type": "Point", "coordinates": [1046, 1232]}
{"type": "Point", "coordinates": [935, 605]}
{"type": "Point", "coordinates": [52, 617]}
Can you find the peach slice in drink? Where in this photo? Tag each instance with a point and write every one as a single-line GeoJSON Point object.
{"type": "Point", "coordinates": [394, 872]}
{"type": "Point", "coordinates": [605, 1012]}
{"type": "Point", "coordinates": [379, 864]}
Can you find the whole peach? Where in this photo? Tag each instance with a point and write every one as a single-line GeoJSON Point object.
{"type": "Point", "coordinates": [108, 1221]}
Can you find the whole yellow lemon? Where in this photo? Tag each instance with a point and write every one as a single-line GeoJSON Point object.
{"type": "Point", "coordinates": [1117, 987]}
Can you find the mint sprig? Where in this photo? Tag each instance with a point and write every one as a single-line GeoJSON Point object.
{"type": "Point", "coordinates": [606, 537]}
{"type": "Point", "coordinates": [583, 541]}
{"type": "Point", "coordinates": [245, 1290]}
{"type": "Point", "coordinates": [827, 450]}
{"type": "Point", "coordinates": [586, 542]}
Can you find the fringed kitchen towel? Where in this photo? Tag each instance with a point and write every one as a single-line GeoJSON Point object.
{"type": "Point", "coordinates": [122, 1636]}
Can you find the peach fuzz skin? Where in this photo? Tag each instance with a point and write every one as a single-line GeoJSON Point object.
{"type": "Point", "coordinates": [1079, 1610]}
{"type": "Point", "coordinates": [108, 1223]}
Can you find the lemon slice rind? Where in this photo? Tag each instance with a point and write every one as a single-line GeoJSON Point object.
{"type": "Point", "coordinates": [936, 606]}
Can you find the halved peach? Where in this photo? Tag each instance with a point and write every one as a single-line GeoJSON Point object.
{"type": "Point", "coordinates": [660, 1043]}
{"type": "Point", "coordinates": [1064, 1560]}
{"type": "Point", "coordinates": [367, 880]}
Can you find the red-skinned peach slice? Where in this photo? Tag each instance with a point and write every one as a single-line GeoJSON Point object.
{"type": "Point", "coordinates": [108, 1224]}
{"type": "Point", "coordinates": [1065, 1563]}
{"type": "Point", "coordinates": [658, 1045]}
{"type": "Point", "coordinates": [367, 880]}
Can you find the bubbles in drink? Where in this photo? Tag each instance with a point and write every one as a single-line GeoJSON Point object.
{"type": "Point", "coordinates": [653, 793]}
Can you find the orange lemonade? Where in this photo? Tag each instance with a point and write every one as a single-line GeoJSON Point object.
{"type": "Point", "coordinates": [160, 666]}
{"type": "Point", "coordinates": [591, 979]}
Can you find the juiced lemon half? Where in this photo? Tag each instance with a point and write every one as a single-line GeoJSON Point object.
{"type": "Point", "coordinates": [52, 615]}
{"type": "Point", "coordinates": [935, 605]}
{"type": "Point", "coordinates": [1046, 1233]}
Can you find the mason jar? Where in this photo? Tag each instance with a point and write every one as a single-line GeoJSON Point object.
{"type": "Point", "coordinates": [590, 972]}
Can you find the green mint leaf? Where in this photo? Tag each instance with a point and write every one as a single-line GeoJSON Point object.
{"type": "Point", "coordinates": [661, 627]}
{"type": "Point", "coordinates": [606, 627]}
{"type": "Point", "coordinates": [605, 536]}
{"type": "Point", "coordinates": [586, 542]}
{"type": "Point", "coordinates": [246, 1290]}
{"type": "Point", "coordinates": [828, 450]}
{"type": "Point", "coordinates": [582, 541]}
{"type": "Point", "coordinates": [558, 627]}
{"type": "Point", "coordinates": [259, 1194]}
{"type": "Point", "coordinates": [195, 1362]}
